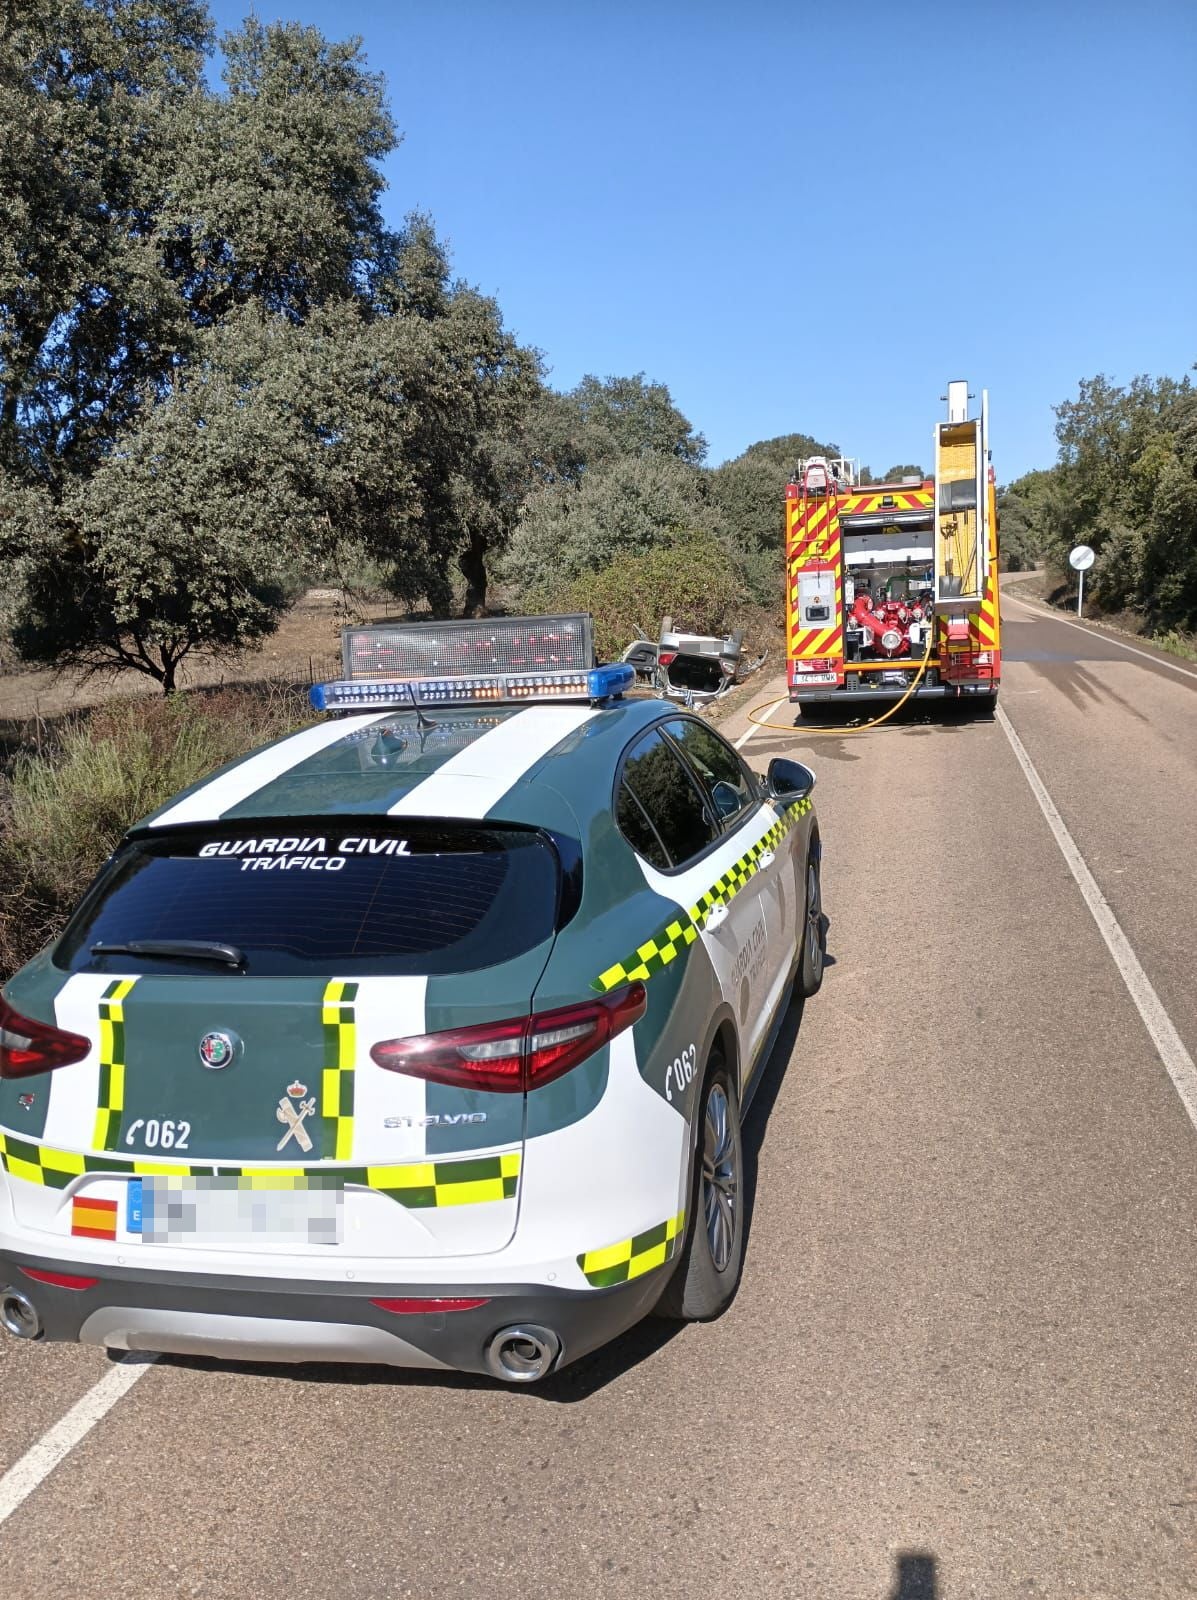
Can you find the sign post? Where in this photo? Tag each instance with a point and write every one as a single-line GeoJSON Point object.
{"type": "Point", "coordinates": [1080, 560]}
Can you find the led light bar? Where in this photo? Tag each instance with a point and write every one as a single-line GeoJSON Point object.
{"type": "Point", "coordinates": [355, 694]}
{"type": "Point", "coordinates": [465, 649]}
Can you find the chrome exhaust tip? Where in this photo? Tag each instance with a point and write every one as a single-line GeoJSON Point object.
{"type": "Point", "coordinates": [18, 1315]}
{"type": "Point", "coordinates": [522, 1353]}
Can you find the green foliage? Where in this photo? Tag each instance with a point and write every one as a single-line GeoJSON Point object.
{"type": "Point", "coordinates": [623, 506]}
{"type": "Point", "coordinates": [88, 90]}
{"type": "Point", "coordinates": [66, 808]}
{"type": "Point", "coordinates": [907, 470]}
{"type": "Point", "coordinates": [629, 416]}
{"type": "Point", "coordinates": [693, 578]}
{"type": "Point", "coordinates": [1020, 507]}
{"type": "Point", "coordinates": [1125, 483]}
{"type": "Point", "coordinates": [750, 490]}
{"type": "Point", "coordinates": [216, 363]}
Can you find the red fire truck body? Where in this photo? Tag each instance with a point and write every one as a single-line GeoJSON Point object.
{"type": "Point", "coordinates": [884, 577]}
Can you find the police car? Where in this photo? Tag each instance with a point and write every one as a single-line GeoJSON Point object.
{"type": "Point", "coordinates": [419, 1037]}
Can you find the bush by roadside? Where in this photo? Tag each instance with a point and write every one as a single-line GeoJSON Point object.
{"type": "Point", "coordinates": [694, 579]}
{"type": "Point", "coordinates": [64, 807]}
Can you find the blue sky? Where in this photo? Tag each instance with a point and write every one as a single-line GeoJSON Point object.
{"type": "Point", "coordinates": [809, 218]}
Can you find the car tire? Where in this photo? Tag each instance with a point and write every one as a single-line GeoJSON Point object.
{"type": "Point", "coordinates": [708, 1274]}
{"type": "Point", "coordinates": [814, 927]}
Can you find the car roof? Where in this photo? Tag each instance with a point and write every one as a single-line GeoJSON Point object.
{"type": "Point", "coordinates": [459, 762]}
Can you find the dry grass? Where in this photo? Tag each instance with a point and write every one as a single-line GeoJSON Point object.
{"type": "Point", "coordinates": [67, 798]}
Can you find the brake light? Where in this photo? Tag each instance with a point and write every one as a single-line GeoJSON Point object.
{"type": "Point", "coordinates": [28, 1047]}
{"type": "Point", "coordinates": [666, 657]}
{"type": "Point", "coordinates": [519, 1054]}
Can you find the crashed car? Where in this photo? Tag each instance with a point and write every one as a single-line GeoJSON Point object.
{"type": "Point", "coordinates": [419, 1037]}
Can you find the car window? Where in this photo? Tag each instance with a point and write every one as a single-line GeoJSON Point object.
{"type": "Point", "coordinates": [361, 893]}
{"type": "Point", "coordinates": [639, 831]}
{"type": "Point", "coordinates": [724, 776]}
{"type": "Point", "coordinates": [669, 799]}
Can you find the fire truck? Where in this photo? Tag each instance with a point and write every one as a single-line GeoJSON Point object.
{"type": "Point", "coordinates": [890, 585]}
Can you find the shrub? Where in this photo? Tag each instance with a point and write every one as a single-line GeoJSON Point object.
{"type": "Point", "coordinates": [67, 807]}
{"type": "Point", "coordinates": [695, 580]}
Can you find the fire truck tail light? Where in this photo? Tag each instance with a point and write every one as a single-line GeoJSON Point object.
{"type": "Point", "coordinates": [521, 1053]}
{"type": "Point", "coordinates": [28, 1047]}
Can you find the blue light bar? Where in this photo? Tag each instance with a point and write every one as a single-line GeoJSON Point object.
{"type": "Point", "coordinates": [363, 694]}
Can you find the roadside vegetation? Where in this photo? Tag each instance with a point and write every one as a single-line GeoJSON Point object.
{"type": "Point", "coordinates": [1126, 484]}
{"type": "Point", "coordinates": [74, 789]}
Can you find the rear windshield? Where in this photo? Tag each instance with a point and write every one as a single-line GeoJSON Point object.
{"type": "Point", "coordinates": [421, 898]}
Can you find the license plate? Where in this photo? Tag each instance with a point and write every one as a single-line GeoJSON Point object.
{"type": "Point", "coordinates": [234, 1211]}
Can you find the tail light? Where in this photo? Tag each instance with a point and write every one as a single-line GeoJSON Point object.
{"type": "Point", "coordinates": [513, 1056]}
{"type": "Point", "coordinates": [28, 1047]}
{"type": "Point", "coordinates": [666, 657]}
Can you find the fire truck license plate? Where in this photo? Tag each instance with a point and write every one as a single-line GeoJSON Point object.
{"type": "Point", "coordinates": [814, 677]}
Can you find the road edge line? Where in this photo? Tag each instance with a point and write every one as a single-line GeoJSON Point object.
{"type": "Point", "coordinates": [1176, 1060]}
{"type": "Point", "coordinates": [40, 1460]}
{"type": "Point", "coordinates": [754, 727]}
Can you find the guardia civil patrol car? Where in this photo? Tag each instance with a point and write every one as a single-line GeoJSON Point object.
{"type": "Point", "coordinates": [419, 1037]}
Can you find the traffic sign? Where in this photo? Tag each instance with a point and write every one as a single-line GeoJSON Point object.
{"type": "Point", "coordinates": [1081, 559]}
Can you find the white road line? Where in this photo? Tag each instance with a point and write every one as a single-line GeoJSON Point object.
{"type": "Point", "coordinates": [1178, 1063]}
{"type": "Point", "coordinates": [1096, 633]}
{"type": "Point", "coordinates": [754, 727]}
{"type": "Point", "coordinates": [39, 1461]}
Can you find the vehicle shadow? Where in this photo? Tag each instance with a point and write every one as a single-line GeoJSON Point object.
{"type": "Point", "coordinates": [916, 1577]}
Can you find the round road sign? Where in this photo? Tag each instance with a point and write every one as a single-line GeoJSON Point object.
{"type": "Point", "coordinates": [1081, 559]}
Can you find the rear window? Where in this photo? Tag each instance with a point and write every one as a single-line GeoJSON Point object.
{"type": "Point", "coordinates": [324, 896]}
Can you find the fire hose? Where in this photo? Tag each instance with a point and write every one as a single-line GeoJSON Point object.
{"type": "Point", "coordinates": [863, 727]}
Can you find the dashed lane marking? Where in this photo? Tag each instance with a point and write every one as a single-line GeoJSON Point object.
{"type": "Point", "coordinates": [1177, 1061]}
{"type": "Point", "coordinates": [39, 1461]}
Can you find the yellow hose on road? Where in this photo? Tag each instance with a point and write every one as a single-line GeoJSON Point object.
{"type": "Point", "coordinates": [790, 727]}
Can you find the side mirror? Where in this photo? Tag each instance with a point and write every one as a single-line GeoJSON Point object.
{"type": "Point", "coordinates": [727, 799]}
{"type": "Point", "coordinates": [790, 780]}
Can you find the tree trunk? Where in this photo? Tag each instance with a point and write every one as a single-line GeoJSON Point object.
{"type": "Point", "coordinates": [472, 566]}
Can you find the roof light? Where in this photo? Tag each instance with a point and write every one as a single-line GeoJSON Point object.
{"type": "Point", "coordinates": [357, 694]}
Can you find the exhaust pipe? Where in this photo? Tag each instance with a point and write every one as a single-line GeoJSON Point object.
{"type": "Point", "coordinates": [19, 1315]}
{"type": "Point", "coordinates": [523, 1353]}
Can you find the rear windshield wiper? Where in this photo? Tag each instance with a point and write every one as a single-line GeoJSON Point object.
{"type": "Point", "coordinates": [227, 955]}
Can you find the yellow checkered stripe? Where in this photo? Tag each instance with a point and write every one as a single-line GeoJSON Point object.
{"type": "Point", "coordinates": [418, 1185]}
{"type": "Point", "coordinates": [655, 954]}
{"type": "Point", "coordinates": [632, 1258]}
{"type": "Point", "coordinates": [337, 1080]}
{"type": "Point", "coordinates": [110, 1104]}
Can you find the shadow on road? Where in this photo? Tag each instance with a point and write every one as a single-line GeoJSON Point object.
{"type": "Point", "coordinates": [915, 1578]}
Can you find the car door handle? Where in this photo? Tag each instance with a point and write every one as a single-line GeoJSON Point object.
{"type": "Point", "coordinates": [766, 858]}
{"type": "Point", "coordinates": [716, 915]}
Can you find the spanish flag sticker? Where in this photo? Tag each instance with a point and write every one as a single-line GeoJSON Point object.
{"type": "Point", "coordinates": [93, 1219]}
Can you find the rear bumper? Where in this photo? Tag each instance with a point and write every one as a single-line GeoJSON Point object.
{"type": "Point", "coordinates": [932, 691]}
{"type": "Point", "coordinates": [288, 1320]}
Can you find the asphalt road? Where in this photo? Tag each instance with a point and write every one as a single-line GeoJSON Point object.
{"type": "Point", "coordinates": [961, 1362]}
